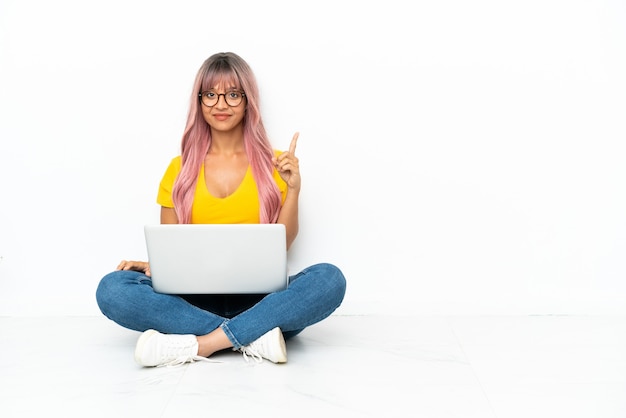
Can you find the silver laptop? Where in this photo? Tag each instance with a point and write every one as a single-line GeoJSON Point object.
{"type": "Point", "coordinates": [217, 258]}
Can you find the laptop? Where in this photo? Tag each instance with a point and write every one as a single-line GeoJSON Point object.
{"type": "Point", "coordinates": [217, 258]}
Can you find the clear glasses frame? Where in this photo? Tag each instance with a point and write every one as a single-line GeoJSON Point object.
{"type": "Point", "coordinates": [232, 98]}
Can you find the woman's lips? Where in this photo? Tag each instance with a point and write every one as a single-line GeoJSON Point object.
{"type": "Point", "coordinates": [221, 116]}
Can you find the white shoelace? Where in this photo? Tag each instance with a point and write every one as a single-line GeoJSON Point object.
{"type": "Point", "coordinates": [179, 361]}
{"type": "Point", "coordinates": [250, 353]}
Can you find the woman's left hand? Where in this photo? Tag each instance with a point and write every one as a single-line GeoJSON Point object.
{"type": "Point", "coordinates": [287, 165]}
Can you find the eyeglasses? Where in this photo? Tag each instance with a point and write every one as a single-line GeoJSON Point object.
{"type": "Point", "coordinates": [210, 98]}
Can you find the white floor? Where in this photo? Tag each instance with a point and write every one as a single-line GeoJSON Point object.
{"type": "Point", "coordinates": [346, 366]}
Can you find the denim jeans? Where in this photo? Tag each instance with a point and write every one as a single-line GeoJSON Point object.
{"type": "Point", "coordinates": [127, 298]}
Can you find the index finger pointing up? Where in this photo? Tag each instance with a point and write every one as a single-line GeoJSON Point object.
{"type": "Point", "coordinates": [292, 146]}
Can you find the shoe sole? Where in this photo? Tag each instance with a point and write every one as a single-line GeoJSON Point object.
{"type": "Point", "coordinates": [145, 336]}
{"type": "Point", "coordinates": [282, 358]}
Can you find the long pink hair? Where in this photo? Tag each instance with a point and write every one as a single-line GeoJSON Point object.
{"type": "Point", "coordinates": [226, 66]}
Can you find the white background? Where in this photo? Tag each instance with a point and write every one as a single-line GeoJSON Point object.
{"type": "Point", "coordinates": [458, 157]}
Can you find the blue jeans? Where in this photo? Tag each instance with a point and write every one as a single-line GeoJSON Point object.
{"type": "Point", "coordinates": [127, 298]}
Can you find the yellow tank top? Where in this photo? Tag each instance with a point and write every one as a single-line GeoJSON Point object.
{"type": "Point", "coordinates": [242, 206]}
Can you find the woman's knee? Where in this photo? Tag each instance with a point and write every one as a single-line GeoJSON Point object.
{"type": "Point", "coordinates": [333, 278]}
{"type": "Point", "coordinates": [105, 289]}
{"type": "Point", "coordinates": [111, 288]}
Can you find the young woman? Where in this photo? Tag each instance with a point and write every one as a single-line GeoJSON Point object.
{"type": "Point", "coordinates": [227, 173]}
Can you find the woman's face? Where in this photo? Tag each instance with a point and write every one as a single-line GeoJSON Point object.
{"type": "Point", "coordinates": [228, 111]}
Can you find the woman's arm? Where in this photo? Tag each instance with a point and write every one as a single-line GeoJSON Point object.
{"type": "Point", "coordinates": [168, 215]}
{"type": "Point", "coordinates": [288, 167]}
{"type": "Point", "coordinates": [289, 215]}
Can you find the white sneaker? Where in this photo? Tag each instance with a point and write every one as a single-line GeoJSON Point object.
{"type": "Point", "coordinates": [156, 349]}
{"type": "Point", "coordinates": [270, 346]}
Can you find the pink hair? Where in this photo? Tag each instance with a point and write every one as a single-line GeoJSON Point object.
{"type": "Point", "coordinates": [226, 66]}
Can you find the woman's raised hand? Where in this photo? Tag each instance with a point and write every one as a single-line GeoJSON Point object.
{"type": "Point", "coordinates": [288, 166]}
